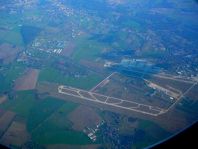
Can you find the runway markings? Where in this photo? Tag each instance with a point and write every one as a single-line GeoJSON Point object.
{"type": "Point", "coordinates": [115, 102]}
{"type": "Point", "coordinates": [103, 82]}
{"type": "Point", "coordinates": [120, 103]}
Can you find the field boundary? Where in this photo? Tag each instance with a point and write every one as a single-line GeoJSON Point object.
{"type": "Point", "coordinates": [118, 102]}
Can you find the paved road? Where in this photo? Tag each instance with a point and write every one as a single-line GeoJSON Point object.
{"type": "Point", "coordinates": [121, 103]}
{"type": "Point", "coordinates": [111, 101]}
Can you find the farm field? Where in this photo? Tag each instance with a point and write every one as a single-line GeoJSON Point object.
{"type": "Point", "coordinates": [8, 53]}
{"type": "Point", "coordinates": [83, 117]}
{"type": "Point", "coordinates": [6, 119]}
{"type": "Point", "coordinates": [86, 49]}
{"type": "Point", "coordinates": [97, 74]}
{"type": "Point", "coordinates": [41, 117]}
{"type": "Point", "coordinates": [12, 36]}
{"type": "Point", "coordinates": [84, 82]}
{"type": "Point", "coordinates": [3, 99]}
{"type": "Point", "coordinates": [16, 134]}
{"type": "Point", "coordinates": [24, 101]}
{"type": "Point", "coordinates": [8, 75]}
{"type": "Point", "coordinates": [27, 81]}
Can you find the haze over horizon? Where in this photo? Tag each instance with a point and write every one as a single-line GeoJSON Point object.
{"type": "Point", "coordinates": [112, 74]}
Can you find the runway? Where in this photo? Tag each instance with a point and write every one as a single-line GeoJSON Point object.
{"type": "Point", "coordinates": [111, 101]}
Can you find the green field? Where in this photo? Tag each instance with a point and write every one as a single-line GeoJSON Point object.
{"type": "Point", "coordinates": [150, 133]}
{"type": "Point", "coordinates": [24, 101]}
{"type": "Point", "coordinates": [46, 119]}
{"type": "Point", "coordinates": [42, 110]}
{"type": "Point", "coordinates": [59, 118]}
{"type": "Point", "coordinates": [61, 137]}
{"type": "Point", "coordinates": [11, 73]}
{"type": "Point", "coordinates": [57, 129]}
{"type": "Point", "coordinates": [151, 126]}
{"type": "Point", "coordinates": [10, 31]}
{"type": "Point", "coordinates": [12, 36]}
{"type": "Point", "coordinates": [86, 49]}
{"type": "Point", "coordinates": [84, 82]}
